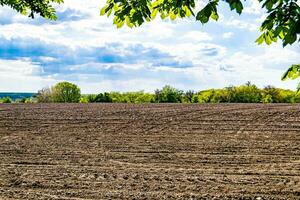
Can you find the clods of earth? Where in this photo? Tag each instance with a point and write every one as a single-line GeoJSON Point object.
{"type": "Point", "coordinates": [150, 151]}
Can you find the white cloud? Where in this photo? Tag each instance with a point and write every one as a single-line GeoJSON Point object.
{"type": "Point", "coordinates": [19, 67]}
{"type": "Point", "coordinates": [185, 41]}
{"type": "Point", "coordinates": [227, 35]}
{"type": "Point", "coordinates": [196, 36]}
{"type": "Point", "coordinates": [21, 76]}
{"type": "Point", "coordinates": [254, 8]}
{"type": "Point", "coordinates": [236, 23]}
{"type": "Point", "coordinates": [47, 59]}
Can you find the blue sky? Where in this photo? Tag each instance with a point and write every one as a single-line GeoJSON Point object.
{"type": "Point", "coordinates": [86, 49]}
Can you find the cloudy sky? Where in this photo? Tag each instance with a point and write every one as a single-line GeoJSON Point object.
{"type": "Point", "coordinates": [86, 49]}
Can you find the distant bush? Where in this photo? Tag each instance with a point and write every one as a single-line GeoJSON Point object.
{"type": "Point", "coordinates": [188, 96]}
{"type": "Point", "coordinates": [297, 97]}
{"type": "Point", "coordinates": [83, 100]}
{"type": "Point", "coordinates": [117, 97]}
{"type": "Point", "coordinates": [145, 98]}
{"type": "Point", "coordinates": [25, 100]}
{"type": "Point", "coordinates": [6, 100]}
{"type": "Point", "coordinates": [169, 94]}
{"type": "Point", "coordinates": [91, 98]}
{"type": "Point", "coordinates": [103, 97]}
{"type": "Point", "coordinates": [267, 99]}
{"type": "Point", "coordinates": [22, 100]}
{"type": "Point", "coordinates": [205, 96]}
{"type": "Point", "coordinates": [247, 93]}
{"type": "Point", "coordinates": [272, 93]}
{"type": "Point", "coordinates": [44, 96]}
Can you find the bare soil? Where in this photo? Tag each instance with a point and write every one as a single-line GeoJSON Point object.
{"type": "Point", "coordinates": [153, 151]}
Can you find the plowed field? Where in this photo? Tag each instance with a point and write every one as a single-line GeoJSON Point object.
{"type": "Point", "coordinates": [154, 151]}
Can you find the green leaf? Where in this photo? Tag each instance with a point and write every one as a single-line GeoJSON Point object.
{"type": "Point", "coordinates": [289, 39]}
{"type": "Point", "coordinates": [188, 12]}
{"type": "Point", "coordinates": [209, 11]}
{"type": "Point", "coordinates": [120, 24]}
{"type": "Point", "coordinates": [154, 13]}
{"type": "Point", "coordinates": [202, 17]}
{"type": "Point", "coordinates": [103, 10]}
{"type": "Point", "coordinates": [128, 22]}
{"type": "Point", "coordinates": [239, 7]}
{"type": "Point", "coordinates": [292, 73]}
{"type": "Point", "coordinates": [235, 5]}
{"type": "Point", "coordinates": [267, 38]}
{"type": "Point", "coordinates": [163, 15]}
{"type": "Point", "coordinates": [214, 15]}
{"type": "Point", "coordinates": [269, 5]}
{"type": "Point", "coordinates": [172, 15]}
{"type": "Point", "coordinates": [260, 39]}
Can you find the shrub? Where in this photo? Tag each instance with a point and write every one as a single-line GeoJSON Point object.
{"type": "Point", "coordinates": [91, 98]}
{"type": "Point", "coordinates": [246, 94]}
{"type": "Point", "coordinates": [297, 97]}
{"type": "Point", "coordinates": [25, 100]}
{"type": "Point", "coordinates": [267, 99]}
{"type": "Point", "coordinates": [206, 96]}
{"type": "Point", "coordinates": [145, 98]}
{"type": "Point", "coordinates": [83, 100]}
{"type": "Point", "coordinates": [103, 97]}
{"type": "Point", "coordinates": [188, 96]}
{"type": "Point", "coordinates": [30, 100]}
{"type": "Point", "coordinates": [286, 96]}
{"type": "Point", "coordinates": [195, 98]}
{"type": "Point", "coordinates": [21, 100]}
{"type": "Point", "coordinates": [168, 94]}
{"type": "Point", "coordinates": [6, 100]}
{"type": "Point", "coordinates": [116, 97]}
{"type": "Point", "coordinates": [44, 96]}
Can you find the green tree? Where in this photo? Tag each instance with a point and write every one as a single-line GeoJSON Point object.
{"type": "Point", "coordinates": [169, 94]}
{"type": "Point", "coordinates": [116, 97]}
{"type": "Point", "coordinates": [132, 96]}
{"type": "Point", "coordinates": [206, 96]}
{"type": "Point", "coordinates": [188, 96]}
{"type": "Point", "coordinates": [286, 96]}
{"type": "Point", "coordinates": [247, 93]}
{"type": "Point", "coordinates": [282, 21]}
{"type": "Point", "coordinates": [103, 97]}
{"type": "Point", "coordinates": [273, 92]}
{"type": "Point", "coordinates": [43, 8]}
{"type": "Point", "coordinates": [91, 98]}
{"type": "Point", "coordinates": [83, 99]}
{"type": "Point", "coordinates": [66, 92]}
{"type": "Point", "coordinates": [145, 98]}
{"type": "Point", "coordinates": [267, 99]}
{"type": "Point", "coordinates": [297, 98]}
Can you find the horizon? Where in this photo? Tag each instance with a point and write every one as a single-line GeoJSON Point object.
{"type": "Point", "coordinates": [85, 48]}
{"type": "Point", "coordinates": [150, 92]}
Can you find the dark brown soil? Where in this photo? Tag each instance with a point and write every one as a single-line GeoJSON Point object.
{"type": "Point", "coordinates": [124, 151]}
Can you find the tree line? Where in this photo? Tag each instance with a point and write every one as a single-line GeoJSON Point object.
{"type": "Point", "coordinates": [65, 92]}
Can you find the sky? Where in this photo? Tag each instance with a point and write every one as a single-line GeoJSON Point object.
{"type": "Point", "coordinates": [87, 49]}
